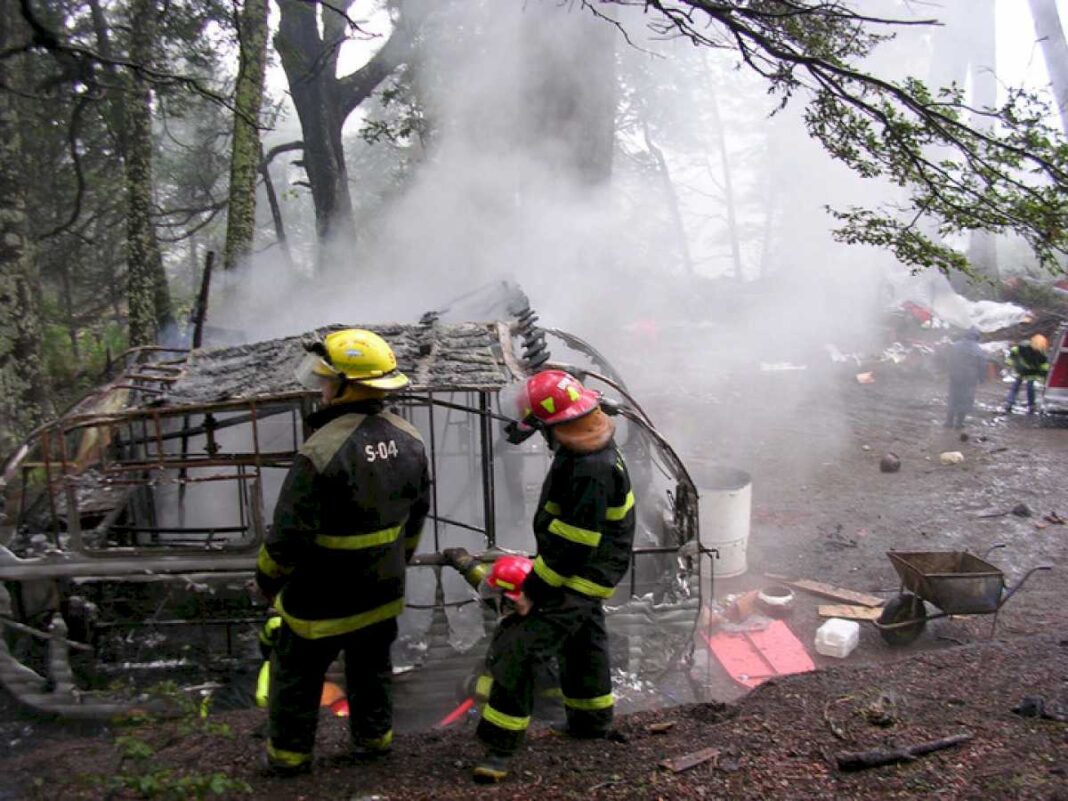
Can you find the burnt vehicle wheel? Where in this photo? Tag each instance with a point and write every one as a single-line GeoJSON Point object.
{"type": "Point", "coordinates": [900, 609]}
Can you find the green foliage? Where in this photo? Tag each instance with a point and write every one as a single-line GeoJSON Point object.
{"type": "Point", "coordinates": [134, 748]}
{"type": "Point", "coordinates": [401, 118]}
{"type": "Point", "coordinates": [1008, 179]}
{"type": "Point", "coordinates": [138, 771]}
{"type": "Point", "coordinates": [166, 784]}
{"type": "Point", "coordinates": [961, 169]}
{"type": "Point", "coordinates": [72, 373]}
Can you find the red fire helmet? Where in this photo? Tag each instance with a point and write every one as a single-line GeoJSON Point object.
{"type": "Point", "coordinates": [508, 574]}
{"type": "Point", "coordinates": [553, 396]}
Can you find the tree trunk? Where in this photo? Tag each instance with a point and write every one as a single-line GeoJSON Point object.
{"type": "Point", "coordinates": [276, 209]}
{"type": "Point", "coordinates": [568, 113]}
{"type": "Point", "coordinates": [963, 52]}
{"type": "Point", "coordinates": [68, 308]}
{"type": "Point", "coordinates": [148, 297]}
{"type": "Point", "coordinates": [1050, 34]}
{"type": "Point", "coordinates": [245, 156]}
{"type": "Point", "coordinates": [671, 196]}
{"type": "Point", "coordinates": [22, 383]}
{"type": "Point", "coordinates": [310, 63]}
{"type": "Point", "coordinates": [982, 245]}
{"type": "Point", "coordinates": [728, 189]}
{"type": "Point", "coordinates": [115, 96]}
{"type": "Point", "coordinates": [324, 101]}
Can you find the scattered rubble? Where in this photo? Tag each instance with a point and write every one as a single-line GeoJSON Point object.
{"type": "Point", "coordinates": [679, 764]}
{"type": "Point", "coordinates": [1035, 706]}
{"type": "Point", "coordinates": [890, 463]}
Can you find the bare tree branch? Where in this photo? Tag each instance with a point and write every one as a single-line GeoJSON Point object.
{"type": "Point", "coordinates": [79, 177]}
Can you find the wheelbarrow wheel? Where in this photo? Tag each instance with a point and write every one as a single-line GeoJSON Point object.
{"type": "Point", "coordinates": [898, 610]}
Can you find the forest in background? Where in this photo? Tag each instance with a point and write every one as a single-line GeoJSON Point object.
{"type": "Point", "coordinates": [137, 137]}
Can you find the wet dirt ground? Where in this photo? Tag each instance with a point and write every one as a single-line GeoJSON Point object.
{"type": "Point", "coordinates": [822, 509]}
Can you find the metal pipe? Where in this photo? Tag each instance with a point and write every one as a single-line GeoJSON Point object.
{"type": "Point", "coordinates": [488, 497]}
{"type": "Point", "coordinates": [200, 621]}
{"type": "Point", "coordinates": [42, 635]}
{"type": "Point", "coordinates": [228, 422]}
{"type": "Point", "coordinates": [218, 460]}
{"type": "Point", "coordinates": [457, 523]}
{"type": "Point", "coordinates": [14, 569]}
{"type": "Point", "coordinates": [176, 530]}
{"type": "Point", "coordinates": [434, 477]}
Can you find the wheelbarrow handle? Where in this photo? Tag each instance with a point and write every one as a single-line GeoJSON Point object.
{"type": "Point", "coordinates": [994, 547]}
{"type": "Point", "coordinates": [1020, 583]}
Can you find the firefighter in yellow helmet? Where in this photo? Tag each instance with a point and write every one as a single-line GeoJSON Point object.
{"type": "Point", "coordinates": [346, 523]}
{"type": "Point", "coordinates": [1029, 363]}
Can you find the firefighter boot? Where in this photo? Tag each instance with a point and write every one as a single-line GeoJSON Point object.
{"type": "Point", "coordinates": [274, 769]}
{"type": "Point", "coordinates": [372, 748]}
{"type": "Point", "coordinates": [493, 767]}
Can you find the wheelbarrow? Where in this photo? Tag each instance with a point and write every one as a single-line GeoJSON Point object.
{"type": "Point", "coordinates": [957, 582]}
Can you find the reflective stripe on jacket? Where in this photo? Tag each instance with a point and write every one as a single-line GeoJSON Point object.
{"type": "Point", "coordinates": [1028, 362]}
{"type": "Point", "coordinates": [347, 521]}
{"type": "Point", "coordinates": [584, 526]}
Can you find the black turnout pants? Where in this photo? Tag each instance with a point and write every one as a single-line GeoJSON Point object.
{"type": "Point", "coordinates": [298, 666]}
{"type": "Point", "coordinates": [572, 630]}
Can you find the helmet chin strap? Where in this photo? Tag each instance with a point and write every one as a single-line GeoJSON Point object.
{"type": "Point", "coordinates": [339, 388]}
{"type": "Point", "coordinates": [550, 440]}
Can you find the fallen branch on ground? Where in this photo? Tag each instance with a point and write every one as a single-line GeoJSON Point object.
{"type": "Point", "coordinates": [860, 760]}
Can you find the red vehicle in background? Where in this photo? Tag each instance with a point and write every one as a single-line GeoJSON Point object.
{"type": "Point", "coordinates": [1055, 394]}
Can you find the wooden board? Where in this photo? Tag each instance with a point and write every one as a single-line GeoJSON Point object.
{"type": "Point", "coordinates": [687, 761]}
{"type": "Point", "coordinates": [849, 612]}
{"type": "Point", "coordinates": [830, 591]}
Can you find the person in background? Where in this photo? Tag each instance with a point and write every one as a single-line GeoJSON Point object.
{"type": "Point", "coordinates": [584, 531]}
{"type": "Point", "coordinates": [346, 524]}
{"type": "Point", "coordinates": [967, 366]}
{"type": "Point", "coordinates": [1029, 364]}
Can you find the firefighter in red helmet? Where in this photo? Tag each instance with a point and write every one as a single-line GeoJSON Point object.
{"type": "Point", "coordinates": [346, 524]}
{"type": "Point", "coordinates": [584, 530]}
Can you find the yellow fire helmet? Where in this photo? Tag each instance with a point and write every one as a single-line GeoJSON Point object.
{"type": "Point", "coordinates": [1039, 343]}
{"type": "Point", "coordinates": [355, 355]}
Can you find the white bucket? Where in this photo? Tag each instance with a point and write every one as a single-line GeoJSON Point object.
{"type": "Point", "coordinates": [725, 499]}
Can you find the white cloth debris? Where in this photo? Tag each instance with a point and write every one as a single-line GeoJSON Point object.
{"type": "Point", "coordinates": [933, 291]}
{"type": "Point", "coordinates": [837, 355]}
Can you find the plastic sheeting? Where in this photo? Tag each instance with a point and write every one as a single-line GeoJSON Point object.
{"type": "Point", "coordinates": [933, 291]}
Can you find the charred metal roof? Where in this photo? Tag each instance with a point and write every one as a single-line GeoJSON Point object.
{"type": "Point", "coordinates": [436, 357]}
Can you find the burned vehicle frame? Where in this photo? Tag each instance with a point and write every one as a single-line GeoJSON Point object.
{"type": "Point", "coordinates": [131, 523]}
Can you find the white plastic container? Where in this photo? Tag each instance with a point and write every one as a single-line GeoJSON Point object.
{"type": "Point", "coordinates": [725, 503]}
{"type": "Point", "coordinates": [837, 637]}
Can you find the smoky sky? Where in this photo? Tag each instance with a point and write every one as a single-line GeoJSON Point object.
{"type": "Point", "coordinates": [749, 242]}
